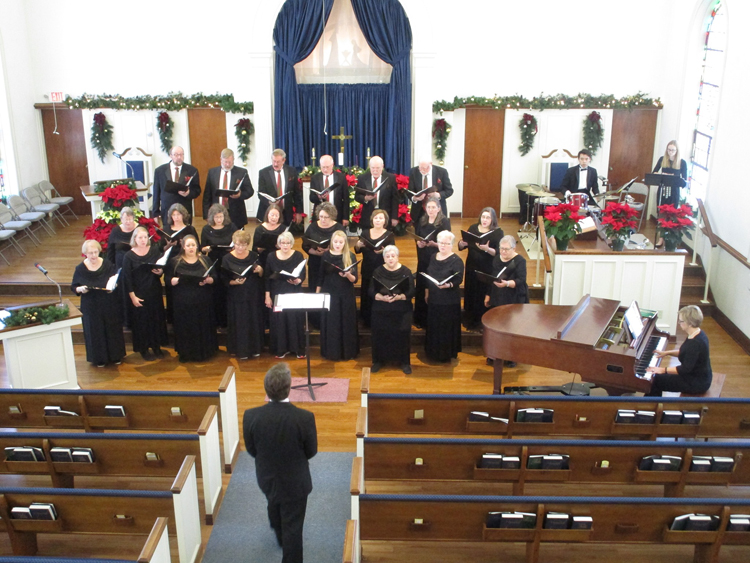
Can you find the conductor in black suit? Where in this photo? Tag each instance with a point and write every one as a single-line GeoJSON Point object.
{"type": "Point", "coordinates": [282, 438]}
{"type": "Point", "coordinates": [278, 179]}
{"type": "Point", "coordinates": [582, 178]}
{"type": "Point", "coordinates": [387, 197]}
{"type": "Point", "coordinates": [339, 197]}
{"type": "Point", "coordinates": [178, 171]}
{"type": "Point", "coordinates": [228, 177]}
{"type": "Point", "coordinates": [426, 175]}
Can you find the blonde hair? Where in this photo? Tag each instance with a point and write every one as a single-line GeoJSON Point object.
{"type": "Point", "coordinates": [91, 242]}
{"type": "Point", "coordinates": [241, 237]}
{"type": "Point", "coordinates": [137, 230]}
{"type": "Point", "coordinates": [227, 153]}
{"type": "Point", "coordinates": [346, 256]}
{"type": "Point", "coordinates": [667, 162]}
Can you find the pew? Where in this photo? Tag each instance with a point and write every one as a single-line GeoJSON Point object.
{"type": "Point", "coordinates": [350, 543]}
{"type": "Point", "coordinates": [717, 384]}
{"type": "Point", "coordinates": [124, 454]}
{"type": "Point", "coordinates": [155, 550]}
{"type": "Point", "coordinates": [621, 520]}
{"type": "Point", "coordinates": [109, 511]}
{"type": "Point", "coordinates": [580, 417]}
{"type": "Point", "coordinates": [420, 461]}
{"type": "Point", "coordinates": [144, 411]}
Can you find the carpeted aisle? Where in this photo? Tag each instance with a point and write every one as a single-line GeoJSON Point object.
{"type": "Point", "coordinates": [242, 534]}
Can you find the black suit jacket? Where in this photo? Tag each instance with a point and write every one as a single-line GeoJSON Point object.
{"type": "Point", "coordinates": [440, 180]}
{"type": "Point", "coordinates": [267, 185]}
{"type": "Point", "coordinates": [237, 210]}
{"type": "Point", "coordinates": [571, 178]}
{"type": "Point", "coordinates": [387, 198]}
{"type": "Point", "coordinates": [340, 195]}
{"type": "Point", "coordinates": [163, 200]}
{"type": "Point", "coordinates": [281, 438]}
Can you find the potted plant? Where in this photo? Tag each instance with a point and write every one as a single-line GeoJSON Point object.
{"type": "Point", "coordinates": [673, 222]}
{"type": "Point", "coordinates": [618, 220]}
{"type": "Point", "coordinates": [561, 222]}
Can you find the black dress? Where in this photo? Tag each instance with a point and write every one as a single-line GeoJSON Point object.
{"type": "Point", "coordinates": [118, 246]}
{"type": "Point", "coordinates": [194, 323]}
{"type": "Point", "coordinates": [694, 373]}
{"type": "Point", "coordinates": [339, 336]}
{"type": "Point", "coordinates": [391, 322]}
{"type": "Point", "coordinates": [443, 336]}
{"type": "Point", "coordinates": [371, 260]}
{"type": "Point", "coordinates": [474, 289]}
{"type": "Point", "coordinates": [423, 260]}
{"type": "Point", "coordinates": [102, 328]}
{"type": "Point", "coordinates": [515, 269]}
{"type": "Point", "coordinates": [189, 230]}
{"type": "Point", "coordinates": [287, 330]}
{"type": "Point", "coordinates": [147, 322]}
{"type": "Point", "coordinates": [317, 234]}
{"type": "Point", "coordinates": [214, 238]}
{"type": "Point", "coordinates": [261, 233]}
{"type": "Point", "coordinates": [668, 195]}
{"type": "Point", "coordinates": [244, 307]}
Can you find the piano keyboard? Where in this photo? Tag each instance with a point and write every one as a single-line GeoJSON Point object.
{"type": "Point", "coordinates": [648, 358]}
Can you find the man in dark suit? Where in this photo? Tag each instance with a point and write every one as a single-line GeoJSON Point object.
{"type": "Point", "coordinates": [278, 179]}
{"type": "Point", "coordinates": [426, 176]}
{"type": "Point", "coordinates": [339, 197]}
{"type": "Point", "coordinates": [581, 178]}
{"type": "Point", "coordinates": [178, 171]}
{"type": "Point", "coordinates": [387, 197]}
{"type": "Point", "coordinates": [282, 438]}
{"type": "Point", "coordinates": [228, 177]}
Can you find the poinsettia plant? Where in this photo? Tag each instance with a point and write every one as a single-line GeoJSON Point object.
{"type": "Point", "coordinates": [114, 198]}
{"type": "Point", "coordinates": [404, 209]}
{"type": "Point", "coordinates": [618, 220]}
{"type": "Point", "coordinates": [561, 221]}
{"type": "Point", "coordinates": [673, 223]}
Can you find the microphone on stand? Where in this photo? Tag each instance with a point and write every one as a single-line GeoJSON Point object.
{"type": "Point", "coordinates": [118, 155]}
{"type": "Point", "coordinates": [42, 269]}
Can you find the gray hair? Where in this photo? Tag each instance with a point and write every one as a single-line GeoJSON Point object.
{"type": "Point", "coordinates": [90, 242]}
{"type": "Point", "coordinates": [509, 240]}
{"type": "Point", "coordinates": [127, 212]}
{"type": "Point", "coordinates": [279, 152]}
{"type": "Point", "coordinates": [286, 236]}
{"type": "Point", "coordinates": [692, 315]}
{"type": "Point", "coordinates": [446, 235]}
{"type": "Point", "coordinates": [213, 210]}
{"type": "Point", "coordinates": [278, 382]}
{"type": "Point", "coordinates": [391, 248]}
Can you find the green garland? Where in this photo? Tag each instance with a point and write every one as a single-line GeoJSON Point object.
{"type": "Point", "coordinates": [101, 135]}
{"type": "Point", "coordinates": [165, 126]}
{"type": "Point", "coordinates": [244, 130]}
{"type": "Point", "coordinates": [31, 315]}
{"type": "Point", "coordinates": [171, 102]}
{"type": "Point", "coordinates": [528, 127]}
{"type": "Point", "coordinates": [593, 132]}
{"type": "Point", "coordinates": [441, 129]}
{"type": "Point", "coordinates": [558, 101]}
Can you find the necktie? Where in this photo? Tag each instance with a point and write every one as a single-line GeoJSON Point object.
{"type": "Point", "coordinates": [177, 174]}
{"type": "Point", "coordinates": [325, 187]}
{"type": "Point", "coordinates": [424, 182]}
{"type": "Point", "coordinates": [225, 186]}
{"type": "Point", "coordinates": [377, 196]}
{"type": "Point", "coordinates": [278, 188]}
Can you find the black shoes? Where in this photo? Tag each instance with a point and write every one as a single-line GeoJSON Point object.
{"type": "Point", "coordinates": [406, 368]}
{"type": "Point", "coordinates": [376, 367]}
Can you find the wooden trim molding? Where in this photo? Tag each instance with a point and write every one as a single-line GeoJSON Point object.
{"type": "Point", "coordinates": [732, 330]}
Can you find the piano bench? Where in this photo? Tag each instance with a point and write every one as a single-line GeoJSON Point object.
{"type": "Point", "coordinates": [717, 382]}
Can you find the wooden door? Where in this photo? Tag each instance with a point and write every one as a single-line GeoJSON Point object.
{"type": "Point", "coordinates": [208, 137]}
{"type": "Point", "coordinates": [632, 150]}
{"type": "Point", "coordinates": [67, 162]}
{"type": "Point", "coordinates": [483, 159]}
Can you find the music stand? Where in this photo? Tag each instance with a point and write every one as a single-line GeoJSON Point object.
{"type": "Point", "coordinates": [304, 302]}
{"type": "Point", "coordinates": [671, 181]}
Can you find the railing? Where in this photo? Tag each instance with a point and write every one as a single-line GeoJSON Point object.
{"type": "Point", "coordinates": [544, 249]}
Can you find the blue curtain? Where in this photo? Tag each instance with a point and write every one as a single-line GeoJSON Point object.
{"type": "Point", "coordinates": [388, 33]}
{"type": "Point", "coordinates": [298, 28]}
{"type": "Point", "coordinates": [360, 109]}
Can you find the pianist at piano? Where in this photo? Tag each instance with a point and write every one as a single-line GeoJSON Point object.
{"type": "Point", "coordinates": [693, 375]}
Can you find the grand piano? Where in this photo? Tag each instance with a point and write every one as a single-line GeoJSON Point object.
{"type": "Point", "coordinates": [592, 338]}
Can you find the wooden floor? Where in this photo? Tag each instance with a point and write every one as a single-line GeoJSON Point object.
{"type": "Point", "coordinates": [336, 421]}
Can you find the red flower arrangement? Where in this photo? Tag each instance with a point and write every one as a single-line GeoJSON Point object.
{"type": "Point", "coordinates": [402, 182]}
{"type": "Point", "coordinates": [561, 222]}
{"type": "Point", "coordinates": [117, 196]}
{"type": "Point", "coordinates": [99, 231]}
{"type": "Point", "coordinates": [357, 214]}
{"type": "Point", "coordinates": [618, 221]}
{"type": "Point", "coordinates": [672, 223]}
{"type": "Point", "coordinates": [351, 179]}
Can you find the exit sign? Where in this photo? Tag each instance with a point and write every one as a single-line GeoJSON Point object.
{"type": "Point", "coordinates": [56, 97]}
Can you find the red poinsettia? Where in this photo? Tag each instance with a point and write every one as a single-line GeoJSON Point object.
{"type": "Point", "coordinates": [561, 221]}
{"type": "Point", "coordinates": [673, 222]}
{"type": "Point", "coordinates": [151, 225]}
{"type": "Point", "coordinates": [404, 212]}
{"type": "Point", "coordinates": [618, 221]}
{"type": "Point", "coordinates": [351, 180]}
{"type": "Point", "coordinates": [118, 195]}
{"type": "Point", "coordinates": [99, 231]}
{"type": "Point", "coordinates": [402, 182]}
{"type": "Point", "coordinates": [357, 214]}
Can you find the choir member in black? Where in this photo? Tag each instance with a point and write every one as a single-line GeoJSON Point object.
{"type": "Point", "coordinates": [287, 330]}
{"type": "Point", "coordinates": [339, 337]}
{"type": "Point", "coordinates": [271, 227]}
{"type": "Point", "coordinates": [179, 219]}
{"type": "Point", "coordinates": [102, 327]}
{"type": "Point", "coordinates": [146, 310]}
{"type": "Point", "coordinates": [216, 238]}
{"type": "Point", "coordinates": [671, 163]}
{"type": "Point", "coordinates": [430, 224]}
{"type": "Point", "coordinates": [694, 374]}
{"type": "Point", "coordinates": [479, 257]}
{"type": "Point", "coordinates": [320, 230]}
{"type": "Point", "coordinates": [372, 258]}
{"type": "Point", "coordinates": [118, 246]}
{"type": "Point", "coordinates": [245, 296]}
{"type": "Point", "coordinates": [511, 286]}
{"type": "Point", "coordinates": [391, 312]}
{"type": "Point", "coordinates": [443, 335]}
{"type": "Point", "coordinates": [194, 322]}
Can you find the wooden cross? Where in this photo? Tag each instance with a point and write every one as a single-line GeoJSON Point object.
{"type": "Point", "coordinates": [341, 137]}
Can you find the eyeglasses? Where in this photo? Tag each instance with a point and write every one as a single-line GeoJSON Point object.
{"type": "Point", "coordinates": [505, 249]}
{"type": "Point", "coordinates": [445, 242]}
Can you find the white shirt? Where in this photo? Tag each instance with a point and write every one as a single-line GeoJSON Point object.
{"type": "Point", "coordinates": [172, 169]}
{"type": "Point", "coordinates": [583, 180]}
{"type": "Point", "coordinates": [228, 174]}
